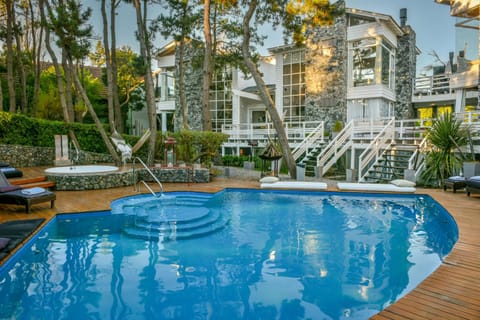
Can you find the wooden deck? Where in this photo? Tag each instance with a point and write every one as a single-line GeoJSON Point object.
{"type": "Point", "coordinates": [451, 292]}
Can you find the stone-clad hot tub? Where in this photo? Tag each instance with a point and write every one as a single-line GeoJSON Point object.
{"type": "Point", "coordinates": [91, 177]}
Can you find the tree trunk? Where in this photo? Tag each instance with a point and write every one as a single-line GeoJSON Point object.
{"type": "Point", "coordinates": [149, 88]}
{"type": "Point", "coordinates": [264, 92]}
{"type": "Point", "coordinates": [9, 42]}
{"type": "Point", "coordinates": [20, 68]}
{"type": "Point", "coordinates": [37, 49]}
{"type": "Point", "coordinates": [117, 110]}
{"type": "Point", "coordinates": [91, 110]}
{"type": "Point", "coordinates": [1, 94]}
{"type": "Point", "coordinates": [68, 71]}
{"type": "Point", "coordinates": [58, 73]}
{"type": "Point", "coordinates": [207, 67]}
{"type": "Point", "coordinates": [106, 45]}
{"type": "Point", "coordinates": [181, 84]}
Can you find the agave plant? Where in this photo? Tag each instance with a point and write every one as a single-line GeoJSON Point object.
{"type": "Point", "coordinates": [446, 136]}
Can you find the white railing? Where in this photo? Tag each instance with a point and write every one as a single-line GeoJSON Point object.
{"type": "Point", "coordinates": [336, 148]}
{"type": "Point", "coordinates": [313, 139]}
{"type": "Point", "coordinates": [416, 162]}
{"type": "Point", "coordinates": [431, 85]}
{"type": "Point", "coordinates": [242, 133]}
{"type": "Point", "coordinates": [376, 149]}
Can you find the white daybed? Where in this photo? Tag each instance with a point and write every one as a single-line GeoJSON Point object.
{"type": "Point", "coordinates": [376, 187]}
{"type": "Point", "coordinates": [303, 185]}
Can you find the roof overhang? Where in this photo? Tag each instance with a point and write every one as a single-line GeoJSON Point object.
{"type": "Point", "coordinates": [384, 18]}
{"type": "Point", "coordinates": [462, 8]}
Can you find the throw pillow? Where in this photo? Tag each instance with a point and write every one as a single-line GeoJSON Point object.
{"type": "Point", "coordinates": [402, 183]}
{"type": "Point", "coordinates": [269, 179]}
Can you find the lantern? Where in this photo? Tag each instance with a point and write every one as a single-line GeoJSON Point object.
{"type": "Point", "coordinates": [170, 152]}
{"type": "Point", "coordinates": [270, 155]}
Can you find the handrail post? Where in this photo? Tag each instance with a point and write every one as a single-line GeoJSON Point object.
{"type": "Point", "coordinates": [151, 174]}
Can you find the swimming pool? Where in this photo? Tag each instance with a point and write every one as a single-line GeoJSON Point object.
{"type": "Point", "coordinates": [237, 254]}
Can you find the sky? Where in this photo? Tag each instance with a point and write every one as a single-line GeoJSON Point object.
{"type": "Point", "coordinates": [432, 23]}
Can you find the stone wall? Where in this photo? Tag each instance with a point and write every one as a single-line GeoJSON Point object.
{"type": "Point", "coordinates": [406, 63]}
{"type": "Point", "coordinates": [28, 156]}
{"type": "Point", "coordinates": [122, 179]}
{"type": "Point", "coordinates": [92, 181]}
{"type": "Point", "coordinates": [326, 73]}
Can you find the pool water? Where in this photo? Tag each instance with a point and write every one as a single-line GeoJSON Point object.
{"type": "Point", "coordinates": [237, 254]}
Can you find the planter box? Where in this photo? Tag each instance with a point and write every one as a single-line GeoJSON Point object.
{"type": "Point", "coordinates": [250, 165]}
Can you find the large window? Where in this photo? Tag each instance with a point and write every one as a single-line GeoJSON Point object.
{"type": "Point", "coordinates": [294, 86]}
{"type": "Point", "coordinates": [367, 54]}
{"type": "Point", "coordinates": [364, 54]}
{"type": "Point", "coordinates": [165, 89]}
{"type": "Point", "coordinates": [221, 99]}
{"type": "Point", "coordinates": [388, 65]}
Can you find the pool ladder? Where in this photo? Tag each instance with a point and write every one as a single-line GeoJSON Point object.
{"type": "Point", "coordinates": [143, 181]}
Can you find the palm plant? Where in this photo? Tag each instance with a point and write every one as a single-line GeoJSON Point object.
{"type": "Point", "coordinates": [446, 136]}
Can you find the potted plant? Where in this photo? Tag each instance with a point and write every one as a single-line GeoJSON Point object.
{"type": "Point", "coordinates": [337, 127]}
{"type": "Point", "coordinates": [446, 136]}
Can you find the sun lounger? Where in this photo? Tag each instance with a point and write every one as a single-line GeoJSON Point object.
{"type": "Point", "coordinates": [455, 183]}
{"type": "Point", "coordinates": [472, 185]}
{"type": "Point", "coordinates": [9, 171]}
{"type": "Point", "coordinates": [303, 185]}
{"type": "Point", "coordinates": [374, 187]}
{"type": "Point", "coordinates": [13, 194]}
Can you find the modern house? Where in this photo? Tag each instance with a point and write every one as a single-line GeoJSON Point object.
{"type": "Point", "coordinates": [357, 75]}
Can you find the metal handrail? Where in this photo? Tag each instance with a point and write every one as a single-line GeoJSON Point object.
{"type": "Point", "coordinates": [144, 183]}
{"type": "Point", "coordinates": [376, 148]}
{"type": "Point", "coordinates": [336, 148]}
{"type": "Point", "coordinates": [311, 139]}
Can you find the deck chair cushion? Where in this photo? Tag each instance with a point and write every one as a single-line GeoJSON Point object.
{"type": "Point", "coordinates": [4, 243]}
{"type": "Point", "coordinates": [402, 183]}
{"type": "Point", "coordinates": [9, 188]}
{"type": "Point", "coordinates": [269, 179]}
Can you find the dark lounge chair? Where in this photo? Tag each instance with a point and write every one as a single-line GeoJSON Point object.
{"type": "Point", "coordinates": [473, 185]}
{"type": "Point", "coordinates": [13, 194]}
{"type": "Point", "coordinates": [9, 171]}
{"type": "Point", "coordinates": [455, 183]}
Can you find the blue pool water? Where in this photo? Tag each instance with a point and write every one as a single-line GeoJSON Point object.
{"type": "Point", "coordinates": [237, 254]}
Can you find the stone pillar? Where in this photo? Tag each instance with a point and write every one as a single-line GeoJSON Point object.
{"type": "Point", "coordinates": [405, 64]}
{"type": "Point", "coordinates": [326, 72]}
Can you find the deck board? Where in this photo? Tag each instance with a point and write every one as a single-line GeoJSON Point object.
{"type": "Point", "coordinates": [451, 292]}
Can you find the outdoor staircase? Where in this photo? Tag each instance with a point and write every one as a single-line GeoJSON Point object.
{"type": "Point", "coordinates": [170, 217]}
{"type": "Point", "coordinates": [391, 165]}
{"type": "Point", "coordinates": [41, 181]}
{"type": "Point", "coordinates": [310, 160]}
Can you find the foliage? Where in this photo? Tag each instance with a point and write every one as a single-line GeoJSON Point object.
{"type": "Point", "coordinates": [193, 146]}
{"type": "Point", "coordinates": [70, 23]}
{"type": "Point", "coordinates": [447, 136]}
{"type": "Point", "coordinates": [19, 129]}
{"type": "Point", "coordinates": [237, 161]}
{"type": "Point", "coordinates": [49, 106]}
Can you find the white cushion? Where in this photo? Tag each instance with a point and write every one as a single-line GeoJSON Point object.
{"type": "Point", "coordinates": [456, 178]}
{"type": "Point", "coordinates": [402, 183]}
{"type": "Point", "coordinates": [475, 178]}
{"type": "Point", "coordinates": [269, 179]}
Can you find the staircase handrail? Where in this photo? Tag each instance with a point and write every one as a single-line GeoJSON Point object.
{"type": "Point", "coordinates": [416, 162]}
{"type": "Point", "coordinates": [311, 139]}
{"type": "Point", "coordinates": [413, 161]}
{"type": "Point", "coordinates": [335, 148]}
{"type": "Point", "coordinates": [382, 142]}
{"type": "Point", "coordinates": [144, 183]}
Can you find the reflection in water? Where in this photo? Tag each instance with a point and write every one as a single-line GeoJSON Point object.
{"type": "Point", "coordinates": [281, 257]}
